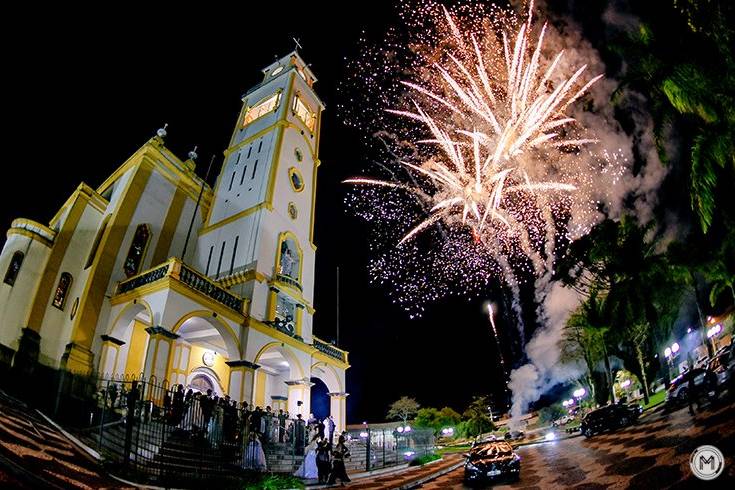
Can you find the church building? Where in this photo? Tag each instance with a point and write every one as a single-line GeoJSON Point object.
{"type": "Point", "coordinates": [155, 274]}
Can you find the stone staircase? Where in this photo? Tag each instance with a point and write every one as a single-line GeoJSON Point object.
{"type": "Point", "coordinates": [280, 458]}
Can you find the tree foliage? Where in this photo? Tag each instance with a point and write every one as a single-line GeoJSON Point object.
{"type": "Point", "coordinates": [403, 409]}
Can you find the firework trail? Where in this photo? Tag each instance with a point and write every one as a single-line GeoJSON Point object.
{"type": "Point", "coordinates": [491, 315]}
{"type": "Point", "coordinates": [486, 160]}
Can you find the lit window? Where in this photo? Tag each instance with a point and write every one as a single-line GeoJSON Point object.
{"type": "Point", "coordinates": [61, 290]}
{"type": "Point", "coordinates": [303, 112]}
{"type": "Point", "coordinates": [285, 313]}
{"type": "Point", "coordinates": [14, 267]}
{"type": "Point", "coordinates": [261, 109]}
{"type": "Point", "coordinates": [137, 250]}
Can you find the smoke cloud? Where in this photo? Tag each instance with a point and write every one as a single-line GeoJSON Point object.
{"type": "Point", "coordinates": [625, 191]}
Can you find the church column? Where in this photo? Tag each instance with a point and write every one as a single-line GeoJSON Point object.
{"type": "Point", "coordinates": [109, 355]}
{"type": "Point", "coordinates": [338, 410]}
{"type": "Point", "coordinates": [299, 391]}
{"type": "Point", "coordinates": [159, 351]}
{"type": "Point", "coordinates": [180, 363]}
{"type": "Point", "coordinates": [242, 380]}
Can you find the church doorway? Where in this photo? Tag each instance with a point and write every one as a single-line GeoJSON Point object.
{"type": "Point", "coordinates": [200, 355]}
{"type": "Point", "coordinates": [320, 405]}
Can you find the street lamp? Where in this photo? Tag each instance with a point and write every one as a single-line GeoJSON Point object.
{"type": "Point", "coordinates": [625, 383]}
{"type": "Point", "coordinates": [579, 393]}
{"type": "Point", "coordinates": [667, 352]}
{"type": "Point", "coordinates": [675, 347]}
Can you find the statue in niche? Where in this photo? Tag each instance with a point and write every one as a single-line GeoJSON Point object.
{"type": "Point", "coordinates": [288, 261]}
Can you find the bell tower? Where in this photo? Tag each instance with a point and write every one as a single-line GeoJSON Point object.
{"type": "Point", "coordinates": [258, 237]}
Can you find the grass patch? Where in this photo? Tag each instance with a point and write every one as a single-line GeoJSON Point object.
{"type": "Point", "coordinates": [422, 460]}
{"type": "Point", "coordinates": [655, 399]}
{"type": "Point", "coordinates": [453, 450]}
{"type": "Point", "coordinates": [273, 482]}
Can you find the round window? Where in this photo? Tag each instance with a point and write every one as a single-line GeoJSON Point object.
{"type": "Point", "coordinates": [299, 155]}
{"type": "Point", "coordinates": [297, 181]}
{"type": "Point", "coordinates": [292, 212]}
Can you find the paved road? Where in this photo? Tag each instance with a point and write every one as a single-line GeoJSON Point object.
{"type": "Point", "coordinates": [652, 454]}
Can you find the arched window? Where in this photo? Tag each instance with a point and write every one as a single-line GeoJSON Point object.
{"type": "Point", "coordinates": [14, 267]}
{"type": "Point", "coordinates": [96, 243]}
{"type": "Point", "coordinates": [137, 250]}
{"type": "Point", "coordinates": [61, 290]}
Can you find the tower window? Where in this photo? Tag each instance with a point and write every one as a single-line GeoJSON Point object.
{"type": "Point", "coordinates": [231, 180]}
{"type": "Point", "coordinates": [250, 150]}
{"type": "Point", "coordinates": [255, 168]}
{"type": "Point", "coordinates": [260, 146]}
{"type": "Point", "coordinates": [297, 181]}
{"type": "Point", "coordinates": [137, 250]}
{"type": "Point", "coordinates": [262, 108]}
{"type": "Point", "coordinates": [304, 113]}
{"type": "Point", "coordinates": [61, 290]}
{"type": "Point", "coordinates": [234, 254]}
{"type": "Point", "coordinates": [14, 267]}
{"type": "Point", "coordinates": [219, 263]}
{"type": "Point", "coordinates": [285, 313]}
{"type": "Point", "coordinates": [209, 260]}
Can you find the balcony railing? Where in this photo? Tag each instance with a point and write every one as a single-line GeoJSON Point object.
{"type": "Point", "coordinates": [181, 272]}
{"type": "Point", "coordinates": [209, 288]}
{"type": "Point", "coordinates": [147, 277]}
{"type": "Point", "coordinates": [288, 280]}
{"type": "Point", "coordinates": [330, 350]}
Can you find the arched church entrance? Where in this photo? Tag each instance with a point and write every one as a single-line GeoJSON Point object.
{"type": "Point", "coordinates": [280, 381]}
{"type": "Point", "coordinates": [200, 353]}
{"type": "Point", "coordinates": [124, 346]}
{"type": "Point", "coordinates": [319, 398]}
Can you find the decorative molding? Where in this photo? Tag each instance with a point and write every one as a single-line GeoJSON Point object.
{"type": "Point", "coordinates": [158, 330]}
{"type": "Point", "coordinates": [242, 363]}
{"type": "Point", "coordinates": [107, 338]}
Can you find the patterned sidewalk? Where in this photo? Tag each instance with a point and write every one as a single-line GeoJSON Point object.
{"type": "Point", "coordinates": [34, 454]}
{"type": "Point", "coordinates": [650, 455]}
{"type": "Point", "coordinates": [407, 477]}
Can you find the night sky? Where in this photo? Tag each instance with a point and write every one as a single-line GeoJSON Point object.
{"type": "Point", "coordinates": [85, 94]}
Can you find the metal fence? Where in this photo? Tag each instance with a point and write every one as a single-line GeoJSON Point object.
{"type": "Point", "coordinates": [374, 448]}
{"type": "Point", "coordinates": [152, 432]}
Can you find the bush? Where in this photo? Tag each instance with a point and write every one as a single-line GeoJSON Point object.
{"type": "Point", "coordinates": [422, 460]}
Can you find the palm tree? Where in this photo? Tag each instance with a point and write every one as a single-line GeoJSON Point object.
{"type": "Point", "coordinates": [681, 59]}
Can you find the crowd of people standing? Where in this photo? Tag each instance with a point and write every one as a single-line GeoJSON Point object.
{"type": "Point", "coordinates": [221, 421]}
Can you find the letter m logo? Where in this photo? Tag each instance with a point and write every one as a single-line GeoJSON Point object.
{"type": "Point", "coordinates": [710, 461]}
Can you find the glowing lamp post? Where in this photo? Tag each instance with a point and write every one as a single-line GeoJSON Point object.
{"type": "Point", "coordinates": [578, 394]}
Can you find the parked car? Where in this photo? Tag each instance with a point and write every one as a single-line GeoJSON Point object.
{"type": "Point", "coordinates": [678, 391]}
{"type": "Point", "coordinates": [514, 435]}
{"type": "Point", "coordinates": [492, 461]}
{"type": "Point", "coordinates": [609, 417]}
{"type": "Point", "coordinates": [723, 366]}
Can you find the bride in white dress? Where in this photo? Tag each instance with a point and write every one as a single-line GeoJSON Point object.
{"type": "Point", "coordinates": [254, 456]}
{"type": "Point", "coordinates": [308, 469]}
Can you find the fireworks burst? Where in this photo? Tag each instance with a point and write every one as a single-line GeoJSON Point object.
{"type": "Point", "coordinates": [488, 162]}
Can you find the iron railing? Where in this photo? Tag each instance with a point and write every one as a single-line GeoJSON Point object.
{"type": "Point", "coordinates": [145, 278]}
{"type": "Point", "coordinates": [183, 273]}
{"type": "Point", "coordinates": [330, 350]}
{"type": "Point", "coordinates": [289, 281]}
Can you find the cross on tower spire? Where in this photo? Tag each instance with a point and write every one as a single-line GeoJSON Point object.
{"type": "Point", "coordinates": [298, 43]}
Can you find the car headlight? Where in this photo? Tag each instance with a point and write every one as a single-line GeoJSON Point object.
{"type": "Point", "coordinates": [470, 467]}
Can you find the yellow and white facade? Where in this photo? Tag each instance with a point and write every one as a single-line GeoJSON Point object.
{"type": "Point", "coordinates": [107, 286]}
